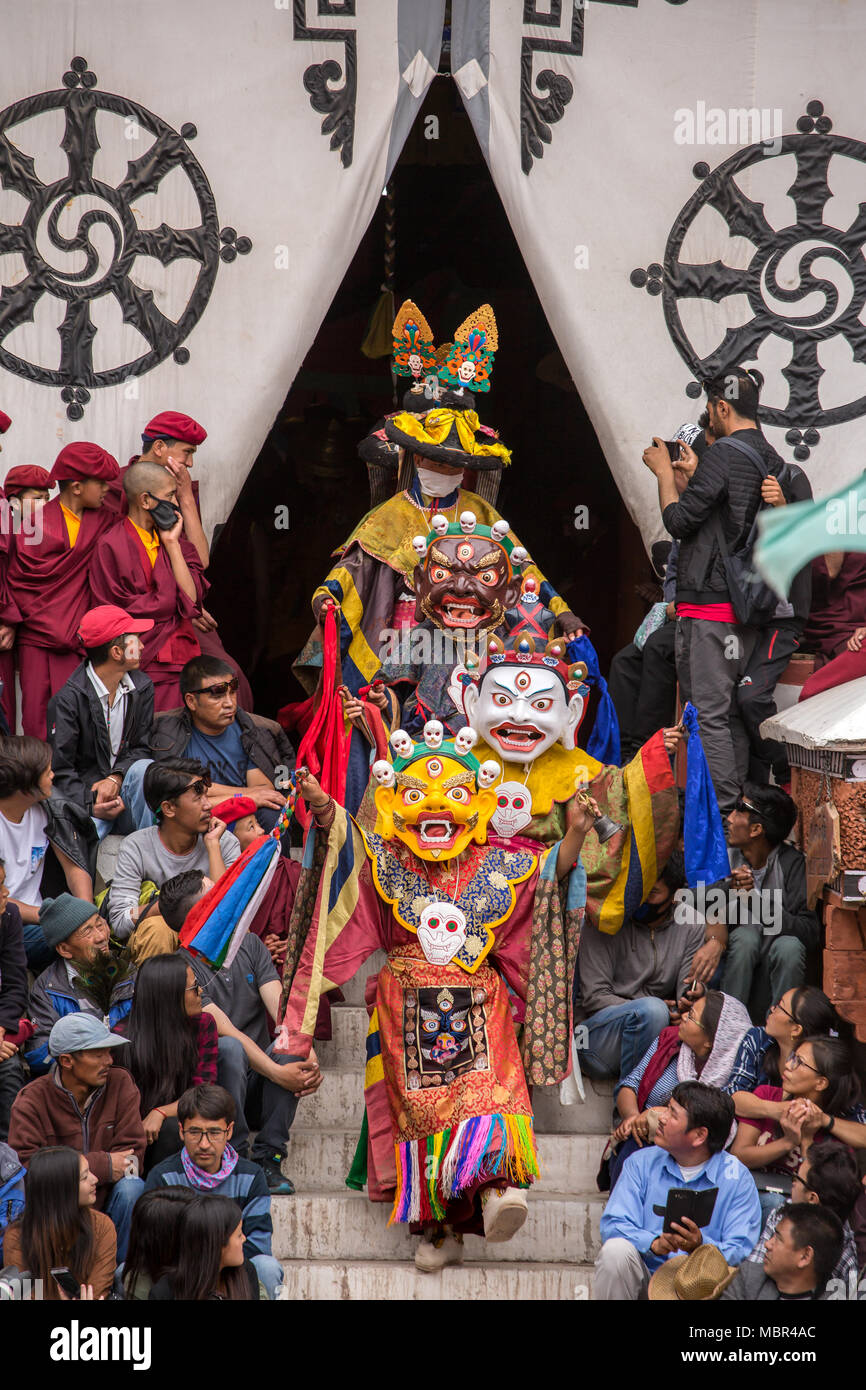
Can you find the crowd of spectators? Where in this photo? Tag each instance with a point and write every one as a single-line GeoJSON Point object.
{"type": "Point", "coordinates": [144, 1110]}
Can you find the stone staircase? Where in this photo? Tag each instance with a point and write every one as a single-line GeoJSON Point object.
{"type": "Point", "coordinates": [335, 1244]}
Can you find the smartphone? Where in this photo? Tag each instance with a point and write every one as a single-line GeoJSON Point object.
{"type": "Point", "coordinates": [673, 448]}
{"type": "Point", "coordinates": [66, 1281]}
{"type": "Point", "coordinates": [697, 1206]}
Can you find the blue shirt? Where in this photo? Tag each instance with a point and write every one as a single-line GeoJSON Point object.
{"type": "Point", "coordinates": [646, 1178]}
{"type": "Point", "coordinates": [222, 754]}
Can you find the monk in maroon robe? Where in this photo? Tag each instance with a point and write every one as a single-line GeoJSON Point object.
{"type": "Point", "coordinates": [146, 566]}
{"type": "Point", "coordinates": [171, 440]}
{"type": "Point", "coordinates": [836, 625]}
{"type": "Point", "coordinates": [49, 578]}
{"type": "Point", "coordinates": [9, 614]}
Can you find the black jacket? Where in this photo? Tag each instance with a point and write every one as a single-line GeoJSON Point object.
{"type": "Point", "coordinates": [70, 830]}
{"type": "Point", "coordinates": [727, 484]}
{"type": "Point", "coordinates": [263, 741]}
{"type": "Point", "coordinates": [78, 734]}
{"type": "Point", "coordinates": [13, 970]}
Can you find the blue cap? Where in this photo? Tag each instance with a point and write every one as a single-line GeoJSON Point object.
{"type": "Point", "coordinates": [81, 1033]}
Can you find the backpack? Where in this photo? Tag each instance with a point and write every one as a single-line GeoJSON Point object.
{"type": "Point", "coordinates": [753, 601]}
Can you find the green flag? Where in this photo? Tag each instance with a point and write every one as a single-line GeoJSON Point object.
{"type": "Point", "coordinates": [790, 537]}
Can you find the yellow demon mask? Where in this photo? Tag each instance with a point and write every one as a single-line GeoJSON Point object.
{"type": "Point", "coordinates": [435, 796]}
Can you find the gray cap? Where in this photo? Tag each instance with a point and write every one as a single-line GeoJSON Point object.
{"type": "Point", "coordinates": [81, 1033]}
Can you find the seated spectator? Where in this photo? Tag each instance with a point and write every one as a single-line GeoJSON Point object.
{"type": "Point", "coordinates": [60, 1227]}
{"type": "Point", "coordinates": [245, 755]}
{"type": "Point", "coordinates": [629, 983]}
{"type": "Point", "coordinates": [835, 629]}
{"type": "Point", "coordinates": [800, 1257]}
{"type": "Point", "coordinates": [154, 1240]}
{"type": "Point", "coordinates": [47, 843]}
{"type": "Point", "coordinates": [13, 1003]}
{"type": "Point", "coordinates": [838, 604]}
{"type": "Point", "coordinates": [208, 1163]}
{"type": "Point", "coordinates": [211, 1263]}
{"type": "Point", "coordinates": [81, 976]}
{"type": "Point", "coordinates": [186, 836]}
{"type": "Point", "coordinates": [99, 722]}
{"type": "Point", "coordinates": [264, 1084]}
{"type": "Point", "coordinates": [827, 1175]}
{"type": "Point", "coordinates": [271, 922]}
{"type": "Point", "coordinates": [777, 1124]}
{"type": "Point", "coordinates": [702, 1045]}
{"type": "Point", "coordinates": [88, 1105]}
{"type": "Point", "coordinates": [158, 929]}
{"type": "Point", "coordinates": [801, 1013]}
{"type": "Point", "coordinates": [11, 1186]}
{"type": "Point", "coordinates": [172, 1046]}
{"type": "Point", "coordinates": [688, 1151]}
{"type": "Point", "coordinates": [775, 928]}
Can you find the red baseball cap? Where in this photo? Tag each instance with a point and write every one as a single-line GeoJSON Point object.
{"type": "Point", "coordinates": [234, 809]}
{"type": "Point", "coordinates": [5, 422]}
{"type": "Point", "coordinates": [170, 424]}
{"type": "Point", "coordinates": [25, 476]}
{"type": "Point", "coordinates": [79, 462]}
{"type": "Point", "coordinates": [106, 622]}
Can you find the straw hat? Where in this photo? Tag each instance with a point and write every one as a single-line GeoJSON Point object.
{"type": "Point", "coordinates": [701, 1276]}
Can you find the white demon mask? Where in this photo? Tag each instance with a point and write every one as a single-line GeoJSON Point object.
{"type": "Point", "coordinates": [513, 809]}
{"type": "Point", "coordinates": [521, 711]}
{"type": "Point", "coordinates": [441, 932]}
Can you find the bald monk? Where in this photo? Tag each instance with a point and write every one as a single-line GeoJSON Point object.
{"type": "Point", "coordinates": [49, 577]}
{"type": "Point", "coordinates": [171, 439]}
{"type": "Point", "coordinates": [145, 565]}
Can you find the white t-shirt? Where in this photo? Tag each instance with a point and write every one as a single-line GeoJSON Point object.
{"type": "Point", "coordinates": [23, 848]}
{"type": "Point", "coordinates": [689, 1174]}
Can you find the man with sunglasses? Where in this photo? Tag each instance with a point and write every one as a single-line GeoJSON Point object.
{"type": "Point", "coordinates": [243, 753]}
{"type": "Point", "coordinates": [186, 836]}
{"type": "Point", "coordinates": [771, 927]}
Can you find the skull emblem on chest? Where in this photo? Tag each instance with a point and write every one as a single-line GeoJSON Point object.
{"type": "Point", "coordinates": [441, 932]}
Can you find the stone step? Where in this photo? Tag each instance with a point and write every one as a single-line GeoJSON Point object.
{"type": "Point", "coordinates": [346, 1226]}
{"type": "Point", "coordinates": [392, 1280]}
{"type": "Point", "coordinates": [349, 1025]}
{"type": "Point", "coordinates": [339, 1104]}
{"type": "Point", "coordinates": [320, 1159]}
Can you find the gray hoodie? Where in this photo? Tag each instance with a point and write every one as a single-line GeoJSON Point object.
{"type": "Point", "coordinates": [638, 962]}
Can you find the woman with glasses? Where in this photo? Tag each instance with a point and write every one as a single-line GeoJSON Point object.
{"type": "Point", "coordinates": [701, 1047]}
{"type": "Point", "coordinates": [819, 1089]}
{"type": "Point", "coordinates": [173, 1045]}
{"type": "Point", "coordinates": [800, 1013]}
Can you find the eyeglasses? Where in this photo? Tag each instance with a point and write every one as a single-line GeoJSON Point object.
{"type": "Point", "coordinates": [803, 1183]}
{"type": "Point", "coordinates": [193, 989]}
{"type": "Point", "coordinates": [212, 1135]}
{"type": "Point", "coordinates": [691, 1017]}
{"type": "Point", "coordinates": [778, 1008]}
{"type": "Point", "coordinates": [795, 1061]}
{"type": "Point", "coordinates": [741, 804]}
{"type": "Point", "coordinates": [216, 692]}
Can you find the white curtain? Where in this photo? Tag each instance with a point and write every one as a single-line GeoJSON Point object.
{"type": "Point", "coordinates": [173, 220]}
{"type": "Point", "coordinates": [667, 231]}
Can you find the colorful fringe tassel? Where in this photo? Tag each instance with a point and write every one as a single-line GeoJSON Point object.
{"type": "Point", "coordinates": [430, 1171]}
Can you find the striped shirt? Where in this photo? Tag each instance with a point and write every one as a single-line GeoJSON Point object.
{"type": "Point", "coordinates": [246, 1184]}
{"type": "Point", "coordinates": [847, 1260]}
{"type": "Point", "coordinates": [663, 1089]}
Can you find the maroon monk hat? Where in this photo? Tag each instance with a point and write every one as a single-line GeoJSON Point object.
{"type": "Point", "coordinates": [5, 422]}
{"type": "Point", "coordinates": [78, 462]}
{"type": "Point", "coordinates": [26, 475]}
{"type": "Point", "coordinates": [106, 622]}
{"type": "Point", "coordinates": [170, 424]}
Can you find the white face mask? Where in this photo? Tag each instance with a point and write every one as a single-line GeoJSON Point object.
{"type": "Point", "coordinates": [437, 484]}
